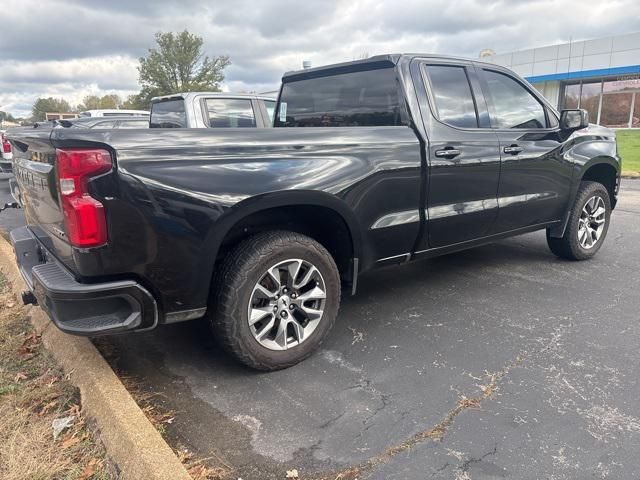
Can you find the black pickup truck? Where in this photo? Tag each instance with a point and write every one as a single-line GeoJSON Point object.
{"type": "Point", "coordinates": [373, 162]}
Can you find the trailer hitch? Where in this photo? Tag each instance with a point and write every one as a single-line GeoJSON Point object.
{"type": "Point", "coordinates": [10, 205]}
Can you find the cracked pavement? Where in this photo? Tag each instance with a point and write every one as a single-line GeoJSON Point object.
{"type": "Point", "coordinates": [497, 362]}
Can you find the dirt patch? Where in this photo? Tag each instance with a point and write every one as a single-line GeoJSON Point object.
{"type": "Point", "coordinates": [34, 393]}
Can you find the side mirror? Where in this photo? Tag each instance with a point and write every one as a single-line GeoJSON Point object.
{"type": "Point", "coordinates": [574, 119]}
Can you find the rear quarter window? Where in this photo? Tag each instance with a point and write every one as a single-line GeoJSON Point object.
{"type": "Point", "coordinates": [356, 99]}
{"type": "Point", "coordinates": [230, 113]}
{"type": "Point", "coordinates": [168, 114]}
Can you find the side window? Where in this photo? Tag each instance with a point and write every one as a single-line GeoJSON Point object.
{"type": "Point", "coordinates": [271, 108]}
{"type": "Point", "coordinates": [452, 95]}
{"type": "Point", "coordinates": [367, 98]}
{"type": "Point", "coordinates": [514, 105]}
{"type": "Point", "coordinates": [168, 114]}
{"type": "Point", "coordinates": [230, 113]}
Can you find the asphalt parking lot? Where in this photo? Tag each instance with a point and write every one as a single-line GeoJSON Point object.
{"type": "Point", "coordinates": [497, 362]}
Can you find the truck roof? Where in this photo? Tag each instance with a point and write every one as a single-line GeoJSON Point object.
{"type": "Point", "coordinates": [370, 63]}
{"type": "Point", "coordinates": [109, 112]}
{"type": "Point", "coordinates": [190, 95]}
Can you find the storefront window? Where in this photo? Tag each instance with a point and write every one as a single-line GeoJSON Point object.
{"type": "Point", "coordinates": [621, 85]}
{"type": "Point", "coordinates": [590, 99]}
{"type": "Point", "coordinates": [609, 102]}
{"type": "Point", "coordinates": [615, 110]}
{"type": "Point", "coordinates": [572, 96]}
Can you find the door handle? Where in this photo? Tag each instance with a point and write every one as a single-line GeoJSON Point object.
{"type": "Point", "coordinates": [447, 153]}
{"type": "Point", "coordinates": [513, 149]}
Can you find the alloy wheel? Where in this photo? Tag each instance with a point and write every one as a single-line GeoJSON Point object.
{"type": "Point", "coordinates": [287, 304]}
{"type": "Point", "coordinates": [592, 222]}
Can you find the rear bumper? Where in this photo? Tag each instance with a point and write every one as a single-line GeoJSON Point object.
{"type": "Point", "coordinates": [6, 166]}
{"type": "Point", "coordinates": [81, 308]}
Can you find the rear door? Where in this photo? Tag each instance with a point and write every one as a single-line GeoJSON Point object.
{"type": "Point", "coordinates": [463, 154]}
{"type": "Point", "coordinates": [535, 179]}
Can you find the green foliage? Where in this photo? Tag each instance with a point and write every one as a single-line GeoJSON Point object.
{"type": "Point", "coordinates": [135, 102]}
{"type": "Point", "coordinates": [45, 105]}
{"type": "Point", "coordinates": [178, 64]}
{"type": "Point", "coordinates": [629, 150]}
{"type": "Point", "coordinates": [95, 102]}
{"type": "Point", "coordinates": [4, 116]}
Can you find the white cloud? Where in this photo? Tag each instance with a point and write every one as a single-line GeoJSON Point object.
{"type": "Point", "coordinates": [72, 48]}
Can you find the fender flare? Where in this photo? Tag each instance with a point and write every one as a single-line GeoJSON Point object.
{"type": "Point", "coordinates": [277, 199]}
{"type": "Point", "coordinates": [558, 230]}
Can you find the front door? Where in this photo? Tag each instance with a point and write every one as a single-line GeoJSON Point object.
{"type": "Point", "coordinates": [534, 178]}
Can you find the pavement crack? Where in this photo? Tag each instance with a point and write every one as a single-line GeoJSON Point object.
{"type": "Point", "coordinates": [436, 432]}
{"type": "Point", "coordinates": [467, 463]}
{"type": "Point", "coordinates": [331, 421]}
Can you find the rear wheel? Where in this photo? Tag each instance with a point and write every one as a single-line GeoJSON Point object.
{"type": "Point", "coordinates": [275, 299]}
{"type": "Point", "coordinates": [588, 224]}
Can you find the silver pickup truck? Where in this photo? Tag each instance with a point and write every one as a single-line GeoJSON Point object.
{"type": "Point", "coordinates": [212, 110]}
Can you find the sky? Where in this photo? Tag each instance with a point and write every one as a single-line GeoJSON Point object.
{"type": "Point", "coordinates": [73, 48]}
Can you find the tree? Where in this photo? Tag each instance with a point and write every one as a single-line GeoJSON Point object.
{"type": "Point", "coordinates": [136, 102]}
{"type": "Point", "coordinates": [95, 102]}
{"type": "Point", "coordinates": [50, 104]}
{"type": "Point", "coordinates": [178, 64]}
{"type": "Point", "coordinates": [5, 116]}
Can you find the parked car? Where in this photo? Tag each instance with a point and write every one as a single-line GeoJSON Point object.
{"type": "Point", "coordinates": [212, 110]}
{"type": "Point", "coordinates": [386, 160]}
{"type": "Point", "coordinates": [105, 122]}
{"type": "Point", "coordinates": [112, 112]}
{"type": "Point", "coordinates": [7, 154]}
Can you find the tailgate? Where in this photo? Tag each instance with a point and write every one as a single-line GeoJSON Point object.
{"type": "Point", "coordinates": [35, 173]}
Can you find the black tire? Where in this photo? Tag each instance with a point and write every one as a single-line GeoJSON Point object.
{"type": "Point", "coordinates": [233, 287]}
{"type": "Point", "coordinates": [569, 246]}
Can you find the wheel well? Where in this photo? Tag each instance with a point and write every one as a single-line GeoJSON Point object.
{"type": "Point", "coordinates": [323, 224]}
{"type": "Point", "coordinates": [606, 175]}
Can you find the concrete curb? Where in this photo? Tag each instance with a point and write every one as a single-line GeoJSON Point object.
{"type": "Point", "coordinates": [132, 442]}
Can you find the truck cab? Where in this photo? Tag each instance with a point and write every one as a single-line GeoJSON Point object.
{"type": "Point", "coordinates": [212, 110]}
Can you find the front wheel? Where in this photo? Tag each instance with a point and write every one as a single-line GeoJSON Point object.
{"type": "Point", "coordinates": [588, 224]}
{"type": "Point", "coordinates": [275, 299]}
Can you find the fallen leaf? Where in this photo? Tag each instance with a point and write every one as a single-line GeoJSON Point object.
{"type": "Point", "coordinates": [74, 409]}
{"type": "Point", "coordinates": [198, 472]}
{"type": "Point", "coordinates": [53, 380]}
{"type": "Point", "coordinates": [32, 340]}
{"type": "Point", "coordinates": [25, 354]}
{"type": "Point", "coordinates": [19, 376]}
{"type": "Point", "coordinates": [70, 442]}
{"type": "Point", "coordinates": [89, 470]}
{"type": "Point", "coordinates": [26, 350]}
{"type": "Point", "coordinates": [292, 473]}
{"type": "Point", "coordinates": [47, 407]}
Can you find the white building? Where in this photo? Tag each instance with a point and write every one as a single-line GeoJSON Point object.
{"type": "Point", "coordinates": [601, 76]}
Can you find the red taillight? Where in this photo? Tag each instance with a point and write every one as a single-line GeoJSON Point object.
{"type": "Point", "coordinates": [83, 215]}
{"type": "Point", "coordinates": [6, 146]}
